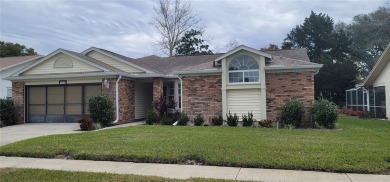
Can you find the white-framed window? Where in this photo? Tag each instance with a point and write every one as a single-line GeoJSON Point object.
{"type": "Point", "coordinates": [244, 69]}
{"type": "Point", "coordinates": [9, 93]}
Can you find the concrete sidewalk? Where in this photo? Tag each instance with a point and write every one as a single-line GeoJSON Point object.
{"type": "Point", "coordinates": [187, 171]}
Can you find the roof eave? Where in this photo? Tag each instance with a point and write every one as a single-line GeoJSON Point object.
{"type": "Point", "coordinates": [198, 72]}
{"type": "Point", "coordinates": [243, 47]}
{"type": "Point", "coordinates": [318, 66]}
{"type": "Point", "coordinates": [372, 76]}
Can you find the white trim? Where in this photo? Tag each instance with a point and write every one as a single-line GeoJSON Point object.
{"type": "Point", "coordinates": [53, 54]}
{"type": "Point", "coordinates": [243, 47]}
{"type": "Point", "coordinates": [380, 60]}
{"type": "Point", "coordinates": [116, 58]}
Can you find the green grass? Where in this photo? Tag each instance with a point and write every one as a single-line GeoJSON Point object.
{"type": "Point", "coordinates": [13, 174]}
{"type": "Point", "coordinates": [361, 146]}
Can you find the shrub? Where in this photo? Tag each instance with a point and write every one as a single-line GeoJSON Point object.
{"type": "Point", "coordinates": [351, 112]}
{"type": "Point", "coordinates": [217, 120]}
{"type": "Point", "coordinates": [232, 120]}
{"type": "Point", "coordinates": [247, 121]}
{"type": "Point", "coordinates": [86, 123]}
{"type": "Point", "coordinates": [101, 109]}
{"type": "Point", "coordinates": [168, 119]}
{"type": "Point", "coordinates": [198, 120]}
{"type": "Point", "coordinates": [161, 106]}
{"type": "Point", "coordinates": [325, 113]}
{"type": "Point", "coordinates": [7, 113]}
{"type": "Point", "coordinates": [292, 113]}
{"type": "Point", "coordinates": [183, 119]}
{"type": "Point", "coordinates": [151, 117]}
{"type": "Point", "coordinates": [266, 123]}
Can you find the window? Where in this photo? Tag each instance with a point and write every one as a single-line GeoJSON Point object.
{"type": "Point", "coordinates": [244, 69]}
{"type": "Point", "coordinates": [9, 93]}
{"type": "Point", "coordinates": [63, 62]}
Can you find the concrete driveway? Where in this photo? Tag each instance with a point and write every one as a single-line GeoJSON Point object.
{"type": "Point", "coordinates": [20, 132]}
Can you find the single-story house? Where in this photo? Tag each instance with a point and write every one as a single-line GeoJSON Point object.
{"type": "Point", "coordinates": [56, 88]}
{"type": "Point", "coordinates": [9, 66]}
{"type": "Point", "coordinates": [373, 95]}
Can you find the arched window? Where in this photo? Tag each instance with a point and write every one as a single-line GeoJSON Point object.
{"type": "Point", "coordinates": [63, 62]}
{"type": "Point", "coordinates": [242, 69]}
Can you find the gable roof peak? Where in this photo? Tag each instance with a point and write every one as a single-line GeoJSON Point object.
{"type": "Point", "coordinates": [244, 47]}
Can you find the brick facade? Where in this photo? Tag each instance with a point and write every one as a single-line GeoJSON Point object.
{"type": "Point", "coordinates": [18, 99]}
{"type": "Point", "coordinates": [288, 85]}
{"type": "Point", "coordinates": [158, 87]}
{"type": "Point", "coordinates": [202, 95]}
{"type": "Point", "coordinates": [126, 98]}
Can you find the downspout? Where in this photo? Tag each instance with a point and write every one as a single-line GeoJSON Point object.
{"type": "Point", "coordinates": [181, 93]}
{"type": "Point", "coordinates": [117, 99]}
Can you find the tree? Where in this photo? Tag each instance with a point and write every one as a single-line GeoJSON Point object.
{"type": "Point", "coordinates": [8, 49]}
{"type": "Point", "coordinates": [370, 34]}
{"type": "Point", "coordinates": [190, 44]}
{"type": "Point", "coordinates": [171, 20]}
{"type": "Point", "coordinates": [231, 45]}
{"type": "Point", "coordinates": [331, 47]}
{"type": "Point", "coordinates": [271, 47]}
{"type": "Point", "coordinates": [314, 35]}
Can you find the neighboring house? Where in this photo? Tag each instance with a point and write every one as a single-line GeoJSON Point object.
{"type": "Point", "coordinates": [374, 94]}
{"type": "Point", "coordinates": [56, 88]}
{"type": "Point", "coordinates": [10, 65]}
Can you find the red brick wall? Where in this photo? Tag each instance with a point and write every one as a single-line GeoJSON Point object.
{"type": "Point", "coordinates": [126, 98]}
{"type": "Point", "coordinates": [289, 85]}
{"type": "Point", "coordinates": [18, 99]}
{"type": "Point", "coordinates": [126, 101]}
{"type": "Point", "coordinates": [202, 95]}
{"type": "Point", "coordinates": [158, 86]}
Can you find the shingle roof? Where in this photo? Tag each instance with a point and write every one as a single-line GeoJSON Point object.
{"type": "Point", "coordinates": [167, 65]}
{"type": "Point", "coordinates": [176, 63]}
{"type": "Point", "coordinates": [7, 62]}
{"type": "Point", "coordinates": [298, 54]}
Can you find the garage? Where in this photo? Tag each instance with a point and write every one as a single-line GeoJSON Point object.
{"type": "Point", "coordinates": [242, 101]}
{"type": "Point", "coordinates": [58, 104]}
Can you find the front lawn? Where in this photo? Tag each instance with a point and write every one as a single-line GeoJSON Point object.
{"type": "Point", "coordinates": [360, 146]}
{"type": "Point", "coordinates": [13, 174]}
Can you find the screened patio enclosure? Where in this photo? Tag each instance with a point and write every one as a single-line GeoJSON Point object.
{"type": "Point", "coordinates": [372, 100]}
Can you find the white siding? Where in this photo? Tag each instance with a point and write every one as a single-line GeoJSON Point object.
{"type": "Point", "coordinates": [115, 63]}
{"type": "Point", "coordinates": [143, 99]}
{"type": "Point", "coordinates": [47, 67]}
{"type": "Point", "coordinates": [241, 101]}
{"type": "Point", "coordinates": [384, 80]}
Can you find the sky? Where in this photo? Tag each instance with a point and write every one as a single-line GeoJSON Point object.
{"type": "Point", "coordinates": [124, 26]}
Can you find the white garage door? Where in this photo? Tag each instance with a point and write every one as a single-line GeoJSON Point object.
{"type": "Point", "coordinates": [242, 101]}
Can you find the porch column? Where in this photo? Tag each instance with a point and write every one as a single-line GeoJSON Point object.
{"type": "Point", "coordinates": [18, 99]}
{"type": "Point", "coordinates": [158, 85]}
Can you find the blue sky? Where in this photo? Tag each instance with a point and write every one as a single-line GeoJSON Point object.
{"type": "Point", "coordinates": [124, 26]}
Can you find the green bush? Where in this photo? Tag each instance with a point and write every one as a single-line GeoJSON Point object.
{"type": "Point", "coordinates": [247, 121]}
{"type": "Point", "coordinates": [7, 112]}
{"type": "Point", "coordinates": [101, 109]}
{"type": "Point", "coordinates": [151, 117]}
{"type": "Point", "coordinates": [217, 120]}
{"type": "Point", "coordinates": [183, 119]}
{"type": "Point", "coordinates": [325, 113]}
{"type": "Point", "coordinates": [198, 120]}
{"type": "Point", "coordinates": [168, 119]}
{"type": "Point", "coordinates": [232, 120]}
{"type": "Point", "coordinates": [292, 113]}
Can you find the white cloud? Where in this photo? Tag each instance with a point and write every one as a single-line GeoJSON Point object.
{"type": "Point", "coordinates": [124, 26]}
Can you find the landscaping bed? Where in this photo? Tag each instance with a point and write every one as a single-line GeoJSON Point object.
{"type": "Point", "coordinates": [360, 146]}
